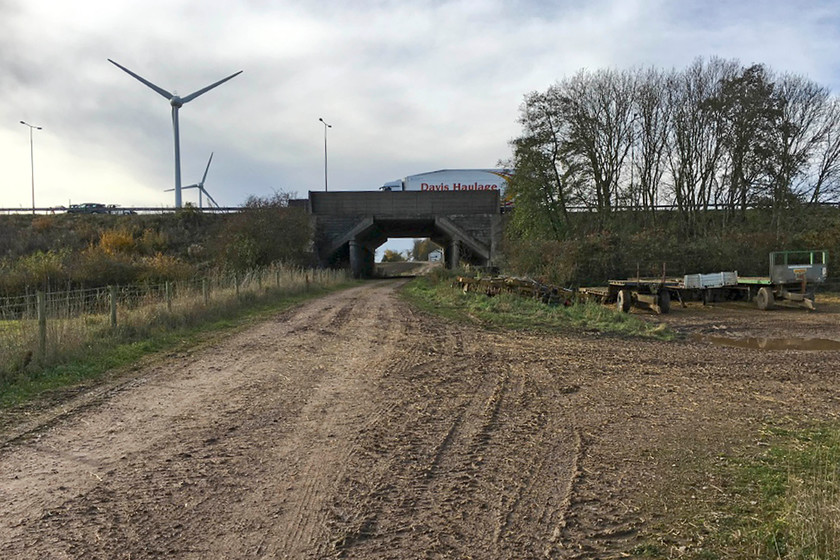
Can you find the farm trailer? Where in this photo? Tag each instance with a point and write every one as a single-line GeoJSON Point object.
{"type": "Point", "coordinates": [793, 276]}
{"type": "Point", "coordinates": [641, 292]}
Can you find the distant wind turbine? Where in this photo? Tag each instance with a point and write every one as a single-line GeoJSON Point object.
{"type": "Point", "coordinates": [176, 102]}
{"type": "Point", "coordinates": [200, 186]}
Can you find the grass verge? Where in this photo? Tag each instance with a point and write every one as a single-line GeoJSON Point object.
{"type": "Point", "coordinates": [777, 500]}
{"type": "Point", "coordinates": [108, 349]}
{"type": "Point", "coordinates": [436, 294]}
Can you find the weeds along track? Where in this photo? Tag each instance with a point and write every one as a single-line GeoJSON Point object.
{"type": "Point", "coordinates": [354, 427]}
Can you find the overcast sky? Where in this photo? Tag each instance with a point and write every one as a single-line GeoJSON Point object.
{"type": "Point", "coordinates": [409, 86]}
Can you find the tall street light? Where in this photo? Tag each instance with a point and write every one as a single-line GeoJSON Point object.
{"type": "Point", "coordinates": [32, 159]}
{"type": "Point", "coordinates": [326, 126]}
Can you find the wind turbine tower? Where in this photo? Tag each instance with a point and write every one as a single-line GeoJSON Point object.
{"type": "Point", "coordinates": [176, 102]}
{"type": "Point", "coordinates": [200, 187]}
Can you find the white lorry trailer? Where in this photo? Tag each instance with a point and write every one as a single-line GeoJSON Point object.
{"type": "Point", "coordinates": [453, 180]}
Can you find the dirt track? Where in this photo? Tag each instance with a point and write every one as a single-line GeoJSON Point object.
{"type": "Point", "coordinates": [353, 427]}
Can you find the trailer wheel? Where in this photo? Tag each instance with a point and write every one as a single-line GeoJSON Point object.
{"type": "Point", "coordinates": [764, 298]}
{"type": "Point", "coordinates": [663, 300]}
{"type": "Point", "coordinates": [623, 301]}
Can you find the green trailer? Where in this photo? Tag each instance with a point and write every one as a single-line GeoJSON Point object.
{"type": "Point", "coordinates": [794, 276]}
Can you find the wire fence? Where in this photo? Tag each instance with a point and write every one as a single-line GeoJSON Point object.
{"type": "Point", "coordinates": [64, 304]}
{"type": "Point", "coordinates": [46, 327]}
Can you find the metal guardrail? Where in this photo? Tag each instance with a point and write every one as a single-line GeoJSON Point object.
{"type": "Point", "coordinates": [123, 210]}
{"type": "Point", "coordinates": [233, 209]}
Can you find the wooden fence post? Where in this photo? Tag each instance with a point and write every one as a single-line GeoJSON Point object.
{"type": "Point", "coordinates": [167, 292]}
{"type": "Point", "coordinates": [42, 323]}
{"type": "Point", "coordinates": [204, 291]}
{"type": "Point", "coordinates": [67, 311]}
{"type": "Point", "coordinates": [113, 292]}
{"type": "Point", "coordinates": [236, 284]}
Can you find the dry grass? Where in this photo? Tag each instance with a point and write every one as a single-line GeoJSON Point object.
{"type": "Point", "coordinates": [76, 327]}
{"type": "Point", "coordinates": [813, 498]}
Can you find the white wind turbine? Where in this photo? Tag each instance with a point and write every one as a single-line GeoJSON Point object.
{"type": "Point", "coordinates": [176, 102]}
{"type": "Point", "coordinates": [200, 186]}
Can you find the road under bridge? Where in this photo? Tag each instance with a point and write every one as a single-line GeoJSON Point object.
{"type": "Point", "coordinates": [350, 226]}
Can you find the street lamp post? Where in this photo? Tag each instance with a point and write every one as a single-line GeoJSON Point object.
{"type": "Point", "coordinates": [326, 126]}
{"type": "Point", "coordinates": [32, 158]}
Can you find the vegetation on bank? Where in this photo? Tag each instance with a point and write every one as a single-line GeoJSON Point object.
{"type": "Point", "coordinates": [628, 249]}
{"type": "Point", "coordinates": [64, 251]}
{"type": "Point", "coordinates": [437, 294]}
{"type": "Point", "coordinates": [777, 500]}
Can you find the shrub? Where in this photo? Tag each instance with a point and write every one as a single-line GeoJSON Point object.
{"type": "Point", "coordinates": [266, 231]}
{"type": "Point", "coordinates": [95, 267]}
{"type": "Point", "coordinates": [162, 267]}
{"type": "Point", "coordinates": [117, 241]}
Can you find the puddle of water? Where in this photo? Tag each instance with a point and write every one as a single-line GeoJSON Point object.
{"type": "Point", "coordinates": [770, 343]}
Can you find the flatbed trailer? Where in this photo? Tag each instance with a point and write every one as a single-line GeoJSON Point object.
{"type": "Point", "coordinates": [649, 293]}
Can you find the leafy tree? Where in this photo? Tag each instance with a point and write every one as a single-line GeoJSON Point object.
{"type": "Point", "coordinates": [392, 256]}
{"type": "Point", "coordinates": [421, 249]}
{"type": "Point", "coordinates": [750, 114]}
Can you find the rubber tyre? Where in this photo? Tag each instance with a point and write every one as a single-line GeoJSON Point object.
{"type": "Point", "coordinates": [764, 299]}
{"type": "Point", "coordinates": [623, 301]}
{"type": "Point", "coordinates": [663, 300]}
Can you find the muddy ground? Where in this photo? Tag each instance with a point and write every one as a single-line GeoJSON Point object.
{"type": "Point", "coordinates": [354, 427]}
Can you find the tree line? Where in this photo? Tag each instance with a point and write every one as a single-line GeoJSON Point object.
{"type": "Point", "coordinates": [716, 136]}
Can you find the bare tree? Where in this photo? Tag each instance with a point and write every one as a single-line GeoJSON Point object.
{"type": "Point", "coordinates": [694, 148]}
{"type": "Point", "coordinates": [826, 179]}
{"type": "Point", "coordinates": [597, 110]}
{"type": "Point", "coordinates": [651, 121]}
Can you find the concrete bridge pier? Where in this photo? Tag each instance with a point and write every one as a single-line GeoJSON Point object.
{"type": "Point", "coordinates": [453, 254]}
{"type": "Point", "coordinates": [362, 260]}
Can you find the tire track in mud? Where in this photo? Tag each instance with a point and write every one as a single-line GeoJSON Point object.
{"type": "Point", "coordinates": [451, 460]}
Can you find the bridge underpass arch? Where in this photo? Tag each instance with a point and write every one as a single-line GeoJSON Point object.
{"type": "Point", "coordinates": [350, 226]}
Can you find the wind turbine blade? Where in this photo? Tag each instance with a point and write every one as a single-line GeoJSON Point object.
{"type": "Point", "coordinates": [193, 95]}
{"type": "Point", "coordinates": [206, 169]}
{"type": "Point", "coordinates": [158, 89]}
{"type": "Point", "coordinates": [207, 194]}
{"type": "Point", "coordinates": [189, 187]}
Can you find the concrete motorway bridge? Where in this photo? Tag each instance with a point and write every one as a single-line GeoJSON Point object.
{"type": "Point", "coordinates": [349, 226]}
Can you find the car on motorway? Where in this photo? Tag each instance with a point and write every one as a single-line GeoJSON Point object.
{"type": "Point", "coordinates": [97, 208]}
{"type": "Point", "coordinates": [88, 208]}
{"type": "Point", "coordinates": [114, 209]}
